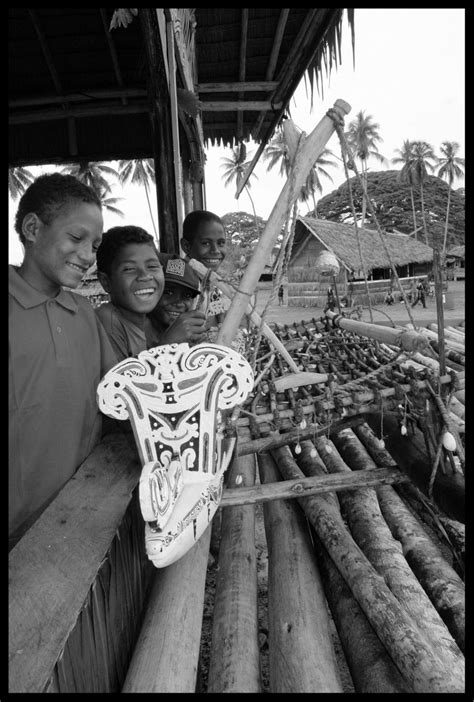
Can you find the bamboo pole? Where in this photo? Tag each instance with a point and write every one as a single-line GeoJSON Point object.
{"type": "Point", "coordinates": [363, 396]}
{"type": "Point", "coordinates": [234, 661]}
{"type": "Point", "coordinates": [254, 317]}
{"type": "Point", "coordinates": [421, 668]}
{"type": "Point", "coordinates": [301, 653]}
{"type": "Point", "coordinates": [311, 149]}
{"type": "Point", "coordinates": [407, 340]}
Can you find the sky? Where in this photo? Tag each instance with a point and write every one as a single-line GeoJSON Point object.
{"type": "Point", "coordinates": [409, 76]}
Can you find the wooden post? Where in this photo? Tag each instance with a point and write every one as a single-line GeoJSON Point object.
{"type": "Point", "coordinates": [311, 149]}
{"type": "Point", "coordinates": [166, 654]}
{"type": "Point", "coordinates": [438, 281]}
{"type": "Point", "coordinates": [160, 115]}
{"type": "Point", "coordinates": [301, 653]}
{"type": "Point", "coordinates": [234, 663]}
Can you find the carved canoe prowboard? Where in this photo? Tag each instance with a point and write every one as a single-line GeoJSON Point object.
{"type": "Point", "coordinates": [176, 399]}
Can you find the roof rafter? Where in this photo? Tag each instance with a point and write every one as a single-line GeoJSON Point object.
{"type": "Point", "coordinates": [71, 125]}
{"type": "Point", "coordinates": [272, 62]}
{"type": "Point", "coordinates": [242, 66]}
{"type": "Point", "coordinates": [113, 52]}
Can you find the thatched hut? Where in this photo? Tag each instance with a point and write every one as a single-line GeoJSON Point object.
{"type": "Point", "coordinates": [308, 287]}
{"type": "Point", "coordinates": [456, 263]}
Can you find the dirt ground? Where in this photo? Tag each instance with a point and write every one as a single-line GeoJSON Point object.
{"type": "Point", "coordinates": [453, 310]}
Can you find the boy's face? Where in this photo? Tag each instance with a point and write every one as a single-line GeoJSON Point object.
{"type": "Point", "coordinates": [60, 253]}
{"type": "Point", "coordinates": [208, 246]}
{"type": "Point", "coordinates": [136, 280]}
{"type": "Point", "coordinates": [175, 300]}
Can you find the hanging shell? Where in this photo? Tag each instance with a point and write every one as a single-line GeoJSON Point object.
{"type": "Point", "coordinates": [448, 441]}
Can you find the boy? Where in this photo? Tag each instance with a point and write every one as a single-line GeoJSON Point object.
{"type": "Point", "coordinates": [58, 350]}
{"type": "Point", "coordinates": [129, 269]}
{"type": "Point", "coordinates": [204, 239]}
{"type": "Point", "coordinates": [174, 320]}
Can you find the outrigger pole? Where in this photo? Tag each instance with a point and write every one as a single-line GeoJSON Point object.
{"type": "Point", "coordinates": [310, 149]}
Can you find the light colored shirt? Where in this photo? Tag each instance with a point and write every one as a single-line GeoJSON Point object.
{"type": "Point", "coordinates": [127, 339]}
{"type": "Point", "coordinates": [58, 352]}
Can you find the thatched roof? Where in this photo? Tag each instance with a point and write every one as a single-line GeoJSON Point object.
{"type": "Point", "coordinates": [342, 241]}
{"type": "Point", "coordinates": [80, 91]}
{"type": "Point", "coordinates": [457, 251]}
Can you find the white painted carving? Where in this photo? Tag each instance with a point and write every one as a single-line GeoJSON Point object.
{"type": "Point", "coordinates": [176, 397]}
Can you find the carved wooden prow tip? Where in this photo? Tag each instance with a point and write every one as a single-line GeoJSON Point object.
{"type": "Point", "coordinates": [176, 398]}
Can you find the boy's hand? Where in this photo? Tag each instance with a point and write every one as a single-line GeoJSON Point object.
{"type": "Point", "coordinates": [190, 326]}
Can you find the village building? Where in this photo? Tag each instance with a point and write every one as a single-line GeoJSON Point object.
{"type": "Point", "coordinates": [456, 263]}
{"type": "Point", "coordinates": [307, 286]}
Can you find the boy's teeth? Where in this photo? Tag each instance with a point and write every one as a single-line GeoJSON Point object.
{"type": "Point", "coordinates": [148, 291]}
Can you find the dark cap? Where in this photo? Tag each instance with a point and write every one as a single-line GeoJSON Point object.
{"type": "Point", "coordinates": [176, 270]}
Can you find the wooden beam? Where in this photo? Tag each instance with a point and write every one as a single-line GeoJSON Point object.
{"type": "Point", "coordinates": [273, 60]}
{"type": "Point", "coordinates": [89, 111]}
{"type": "Point", "coordinates": [113, 52]}
{"type": "Point", "coordinates": [174, 120]}
{"type": "Point", "coordinates": [46, 52]}
{"type": "Point", "coordinates": [50, 569]}
{"type": "Point", "coordinates": [71, 127]}
{"type": "Point", "coordinates": [160, 114]}
{"type": "Point", "coordinates": [289, 73]}
{"type": "Point", "coordinates": [266, 86]}
{"type": "Point", "coordinates": [77, 97]}
{"type": "Point", "coordinates": [242, 67]}
{"type": "Point", "coordinates": [231, 106]}
{"type": "Point", "coordinates": [314, 485]}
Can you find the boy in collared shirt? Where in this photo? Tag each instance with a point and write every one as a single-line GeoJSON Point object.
{"type": "Point", "coordinates": [129, 269]}
{"type": "Point", "coordinates": [58, 351]}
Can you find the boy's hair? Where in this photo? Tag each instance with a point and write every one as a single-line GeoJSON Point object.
{"type": "Point", "coordinates": [115, 239]}
{"type": "Point", "coordinates": [193, 221]}
{"type": "Point", "coordinates": [48, 194]}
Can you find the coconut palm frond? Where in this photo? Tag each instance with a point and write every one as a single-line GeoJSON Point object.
{"type": "Point", "coordinates": [18, 181]}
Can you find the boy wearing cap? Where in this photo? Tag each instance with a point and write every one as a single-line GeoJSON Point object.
{"type": "Point", "coordinates": [174, 320]}
{"type": "Point", "coordinates": [129, 269]}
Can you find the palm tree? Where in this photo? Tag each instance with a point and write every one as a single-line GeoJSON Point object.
{"type": "Point", "coordinates": [235, 168]}
{"type": "Point", "coordinates": [423, 155]}
{"type": "Point", "coordinates": [93, 174]}
{"type": "Point", "coordinates": [405, 156]}
{"type": "Point", "coordinates": [18, 180]}
{"type": "Point", "coordinates": [451, 168]}
{"type": "Point", "coordinates": [139, 171]}
{"type": "Point", "coordinates": [362, 137]}
{"type": "Point", "coordinates": [313, 181]}
{"type": "Point", "coordinates": [277, 153]}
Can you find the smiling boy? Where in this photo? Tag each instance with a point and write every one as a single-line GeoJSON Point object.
{"type": "Point", "coordinates": [174, 320]}
{"type": "Point", "coordinates": [204, 238]}
{"type": "Point", "coordinates": [129, 269]}
{"type": "Point", "coordinates": [58, 350]}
